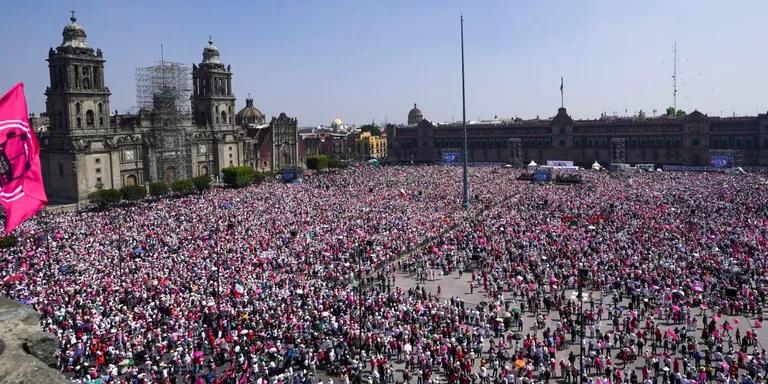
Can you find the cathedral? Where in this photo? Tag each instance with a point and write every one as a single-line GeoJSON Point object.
{"type": "Point", "coordinates": [85, 148]}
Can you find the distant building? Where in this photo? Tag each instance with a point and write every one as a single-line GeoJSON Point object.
{"type": "Point", "coordinates": [39, 123]}
{"type": "Point", "coordinates": [368, 146]}
{"type": "Point", "coordinates": [415, 116]}
{"type": "Point", "coordinates": [693, 139]}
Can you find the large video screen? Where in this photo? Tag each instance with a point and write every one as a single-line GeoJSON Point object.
{"type": "Point", "coordinates": [542, 175]}
{"type": "Point", "coordinates": [721, 161]}
{"type": "Point", "coordinates": [451, 157]}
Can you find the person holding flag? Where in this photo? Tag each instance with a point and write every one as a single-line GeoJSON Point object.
{"type": "Point", "coordinates": [22, 193]}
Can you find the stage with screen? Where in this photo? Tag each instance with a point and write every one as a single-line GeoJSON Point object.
{"type": "Point", "coordinates": [451, 156]}
{"type": "Point", "coordinates": [721, 161]}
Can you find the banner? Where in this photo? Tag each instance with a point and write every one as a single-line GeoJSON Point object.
{"type": "Point", "coordinates": [22, 193]}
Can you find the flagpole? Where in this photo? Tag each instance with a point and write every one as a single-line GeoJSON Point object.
{"type": "Point", "coordinates": [465, 202]}
{"type": "Point", "coordinates": [562, 103]}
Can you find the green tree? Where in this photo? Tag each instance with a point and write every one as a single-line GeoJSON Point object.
{"type": "Point", "coordinates": [202, 182]}
{"type": "Point", "coordinates": [260, 177]}
{"type": "Point", "coordinates": [183, 187]}
{"type": "Point", "coordinates": [317, 162]}
{"type": "Point", "coordinates": [238, 177]}
{"type": "Point", "coordinates": [133, 192]}
{"type": "Point", "coordinates": [336, 164]}
{"type": "Point", "coordinates": [671, 112]}
{"type": "Point", "coordinates": [374, 129]}
{"type": "Point", "coordinates": [104, 197]}
{"type": "Point", "coordinates": [158, 189]}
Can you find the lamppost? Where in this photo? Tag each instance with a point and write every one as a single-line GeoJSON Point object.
{"type": "Point", "coordinates": [583, 275]}
{"type": "Point", "coordinates": [362, 252]}
{"type": "Point", "coordinates": [45, 220]}
{"type": "Point", "coordinates": [77, 184]}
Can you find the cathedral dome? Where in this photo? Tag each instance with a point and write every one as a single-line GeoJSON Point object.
{"type": "Point", "coordinates": [336, 123]}
{"type": "Point", "coordinates": [415, 116]}
{"type": "Point", "coordinates": [211, 54]}
{"type": "Point", "coordinates": [249, 114]}
{"type": "Point", "coordinates": [74, 34]}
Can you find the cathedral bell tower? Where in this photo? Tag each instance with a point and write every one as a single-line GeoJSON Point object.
{"type": "Point", "coordinates": [213, 102]}
{"type": "Point", "coordinates": [77, 101]}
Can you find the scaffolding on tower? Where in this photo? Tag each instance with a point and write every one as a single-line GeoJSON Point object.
{"type": "Point", "coordinates": [163, 92]}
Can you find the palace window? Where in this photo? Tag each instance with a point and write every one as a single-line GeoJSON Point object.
{"type": "Point", "coordinates": [89, 118]}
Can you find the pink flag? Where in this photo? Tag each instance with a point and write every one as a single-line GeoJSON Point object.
{"type": "Point", "coordinates": [22, 193]}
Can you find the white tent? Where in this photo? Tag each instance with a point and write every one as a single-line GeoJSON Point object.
{"type": "Point", "coordinates": [532, 164]}
{"type": "Point", "coordinates": [596, 166]}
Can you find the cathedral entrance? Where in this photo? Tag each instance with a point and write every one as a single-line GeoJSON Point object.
{"type": "Point", "coordinates": [170, 174]}
{"type": "Point", "coordinates": [131, 181]}
{"type": "Point", "coordinates": [204, 170]}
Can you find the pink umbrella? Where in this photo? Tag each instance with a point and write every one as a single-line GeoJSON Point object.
{"type": "Point", "coordinates": [675, 308]}
{"type": "Point", "coordinates": [552, 280]}
{"type": "Point", "coordinates": [704, 306]}
{"type": "Point", "coordinates": [736, 321]}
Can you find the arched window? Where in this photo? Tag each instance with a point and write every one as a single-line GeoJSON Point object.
{"type": "Point", "coordinates": [223, 117]}
{"type": "Point", "coordinates": [86, 83]}
{"type": "Point", "coordinates": [204, 170]}
{"type": "Point", "coordinates": [79, 122]}
{"type": "Point", "coordinates": [77, 108]}
{"type": "Point", "coordinates": [101, 121]}
{"type": "Point", "coordinates": [89, 121]}
{"type": "Point", "coordinates": [101, 108]}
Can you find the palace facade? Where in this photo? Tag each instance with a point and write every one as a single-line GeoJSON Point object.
{"type": "Point", "coordinates": [686, 140]}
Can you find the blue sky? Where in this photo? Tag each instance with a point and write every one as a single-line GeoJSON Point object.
{"type": "Point", "coordinates": [365, 60]}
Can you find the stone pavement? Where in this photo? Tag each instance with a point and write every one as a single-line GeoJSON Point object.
{"type": "Point", "coordinates": [452, 285]}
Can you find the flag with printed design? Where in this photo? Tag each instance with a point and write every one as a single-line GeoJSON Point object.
{"type": "Point", "coordinates": [22, 193]}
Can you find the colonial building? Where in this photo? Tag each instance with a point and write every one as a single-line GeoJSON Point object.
{"type": "Point", "coordinates": [693, 139]}
{"type": "Point", "coordinates": [85, 149]}
{"type": "Point", "coordinates": [415, 116]}
{"type": "Point", "coordinates": [368, 146]}
{"type": "Point", "coordinates": [274, 146]}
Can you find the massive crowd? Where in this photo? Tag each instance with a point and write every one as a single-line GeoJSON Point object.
{"type": "Point", "coordinates": [284, 283]}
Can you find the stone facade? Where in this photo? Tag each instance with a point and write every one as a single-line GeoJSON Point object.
{"type": "Point", "coordinates": [85, 149]}
{"type": "Point", "coordinates": [272, 147]}
{"type": "Point", "coordinates": [687, 140]}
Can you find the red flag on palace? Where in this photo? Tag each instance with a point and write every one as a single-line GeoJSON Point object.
{"type": "Point", "coordinates": [22, 193]}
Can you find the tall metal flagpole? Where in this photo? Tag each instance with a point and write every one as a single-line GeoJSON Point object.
{"type": "Point", "coordinates": [465, 202]}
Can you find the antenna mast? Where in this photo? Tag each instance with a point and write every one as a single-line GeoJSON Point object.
{"type": "Point", "coordinates": [674, 81]}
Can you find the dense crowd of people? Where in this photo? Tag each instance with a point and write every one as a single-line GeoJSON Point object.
{"type": "Point", "coordinates": [286, 283]}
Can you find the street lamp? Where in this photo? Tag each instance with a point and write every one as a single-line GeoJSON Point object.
{"type": "Point", "coordinates": [583, 275]}
{"type": "Point", "coordinates": [45, 220]}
